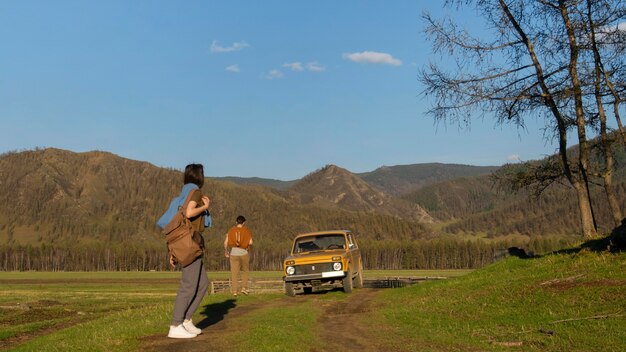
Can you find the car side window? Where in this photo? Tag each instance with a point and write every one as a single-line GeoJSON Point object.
{"type": "Point", "coordinates": [351, 243]}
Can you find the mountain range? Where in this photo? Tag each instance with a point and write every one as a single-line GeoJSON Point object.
{"type": "Point", "coordinates": [58, 196]}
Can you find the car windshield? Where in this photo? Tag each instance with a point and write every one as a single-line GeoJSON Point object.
{"type": "Point", "coordinates": [320, 242]}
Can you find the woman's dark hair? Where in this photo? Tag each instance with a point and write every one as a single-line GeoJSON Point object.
{"type": "Point", "coordinates": [194, 173]}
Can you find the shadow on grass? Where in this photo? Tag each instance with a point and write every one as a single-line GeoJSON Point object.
{"type": "Point", "coordinates": [215, 312]}
{"type": "Point", "coordinates": [514, 252]}
{"type": "Point", "coordinates": [615, 242]}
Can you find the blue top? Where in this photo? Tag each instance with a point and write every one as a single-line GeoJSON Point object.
{"type": "Point", "coordinates": [177, 203]}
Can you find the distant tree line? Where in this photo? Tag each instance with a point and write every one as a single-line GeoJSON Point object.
{"type": "Point", "coordinates": [445, 253]}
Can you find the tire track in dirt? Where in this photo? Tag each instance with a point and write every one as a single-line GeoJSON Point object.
{"type": "Point", "coordinates": [37, 312]}
{"type": "Point", "coordinates": [19, 339]}
{"type": "Point", "coordinates": [342, 326]}
{"type": "Point", "coordinates": [214, 327]}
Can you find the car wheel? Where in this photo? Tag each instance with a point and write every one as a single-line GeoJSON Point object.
{"type": "Point", "coordinates": [358, 280]}
{"type": "Point", "coordinates": [289, 289]}
{"type": "Point", "coordinates": [308, 289]}
{"type": "Point", "coordinates": [347, 283]}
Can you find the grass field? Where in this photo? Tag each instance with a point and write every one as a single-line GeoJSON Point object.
{"type": "Point", "coordinates": [49, 311]}
{"type": "Point", "coordinates": [562, 302]}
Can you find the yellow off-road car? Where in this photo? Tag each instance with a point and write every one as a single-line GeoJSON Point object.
{"type": "Point", "coordinates": [323, 258]}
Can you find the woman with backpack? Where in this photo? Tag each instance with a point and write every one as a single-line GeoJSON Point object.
{"type": "Point", "coordinates": [194, 282]}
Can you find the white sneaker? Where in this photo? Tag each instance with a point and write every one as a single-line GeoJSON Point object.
{"type": "Point", "coordinates": [188, 325]}
{"type": "Point", "coordinates": [179, 332]}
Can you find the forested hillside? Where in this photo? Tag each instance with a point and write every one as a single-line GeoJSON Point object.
{"type": "Point", "coordinates": [99, 195]}
{"type": "Point", "coordinates": [459, 198]}
{"type": "Point", "coordinates": [555, 212]}
{"type": "Point", "coordinates": [337, 188]}
{"type": "Point", "coordinates": [403, 179]}
{"type": "Point", "coordinates": [62, 199]}
{"type": "Point", "coordinates": [481, 205]}
{"type": "Point", "coordinates": [61, 210]}
{"type": "Point", "coordinates": [397, 180]}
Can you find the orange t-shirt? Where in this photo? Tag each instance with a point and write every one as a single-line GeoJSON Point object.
{"type": "Point", "coordinates": [239, 237]}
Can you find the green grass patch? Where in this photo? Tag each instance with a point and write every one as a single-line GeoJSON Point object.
{"type": "Point", "coordinates": [446, 273]}
{"type": "Point", "coordinates": [555, 303]}
{"type": "Point", "coordinates": [12, 330]}
{"type": "Point", "coordinates": [112, 332]}
{"type": "Point", "coordinates": [121, 329]}
{"type": "Point", "coordinates": [558, 302]}
{"type": "Point", "coordinates": [275, 328]}
{"type": "Point", "coordinates": [52, 311]}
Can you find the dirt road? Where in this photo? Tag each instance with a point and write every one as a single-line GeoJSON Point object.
{"type": "Point", "coordinates": [349, 313]}
{"type": "Point", "coordinates": [333, 335]}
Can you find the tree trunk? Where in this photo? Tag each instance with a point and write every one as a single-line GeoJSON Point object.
{"type": "Point", "coordinates": [586, 215]}
{"type": "Point", "coordinates": [581, 184]}
{"type": "Point", "coordinates": [613, 202]}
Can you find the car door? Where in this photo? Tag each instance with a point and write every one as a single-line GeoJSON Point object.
{"type": "Point", "coordinates": [354, 254]}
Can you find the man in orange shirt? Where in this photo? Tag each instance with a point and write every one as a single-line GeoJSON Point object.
{"type": "Point", "coordinates": [237, 246]}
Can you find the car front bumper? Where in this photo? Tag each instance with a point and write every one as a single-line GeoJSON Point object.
{"type": "Point", "coordinates": [317, 276]}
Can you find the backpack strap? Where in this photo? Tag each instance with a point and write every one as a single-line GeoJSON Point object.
{"type": "Point", "coordinates": [187, 200]}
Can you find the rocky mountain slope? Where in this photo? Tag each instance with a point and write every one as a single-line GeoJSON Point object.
{"type": "Point", "coordinates": [335, 187]}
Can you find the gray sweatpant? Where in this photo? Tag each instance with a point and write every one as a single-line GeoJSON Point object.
{"type": "Point", "coordinates": [193, 286]}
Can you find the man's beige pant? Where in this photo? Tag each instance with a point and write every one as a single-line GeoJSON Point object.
{"type": "Point", "coordinates": [239, 263]}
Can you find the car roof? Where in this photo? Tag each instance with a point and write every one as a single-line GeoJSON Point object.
{"type": "Point", "coordinates": [331, 232]}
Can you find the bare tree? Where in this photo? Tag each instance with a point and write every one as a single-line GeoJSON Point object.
{"type": "Point", "coordinates": [606, 41]}
{"type": "Point", "coordinates": [534, 63]}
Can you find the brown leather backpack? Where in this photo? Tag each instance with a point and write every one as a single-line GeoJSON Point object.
{"type": "Point", "coordinates": [179, 237]}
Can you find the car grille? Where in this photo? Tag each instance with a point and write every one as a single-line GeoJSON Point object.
{"type": "Point", "coordinates": [313, 268]}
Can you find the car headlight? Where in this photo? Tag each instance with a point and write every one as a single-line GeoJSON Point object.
{"type": "Point", "coordinates": [336, 266]}
{"type": "Point", "coordinates": [291, 270]}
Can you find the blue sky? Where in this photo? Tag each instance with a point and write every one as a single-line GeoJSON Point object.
{"type": "Point", "coordinates": [273, 89]}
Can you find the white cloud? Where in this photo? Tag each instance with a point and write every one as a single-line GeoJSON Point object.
{"type": "Point", "coordinates": [274, 74]}
{"type": "Point", "coordinates": [513, 158]}
{"type": "Point", "coordinates": [216, 48]}
{"type": "Point", "coordinates": [294, 66]}
{"type": "Point", "coordinates": [233, 68]}
{"type": "Point", "coordinates": [315, 67]}
{"type": "Point", "coordinates": [372, 57]}
{"type": "Point", "coordinates": [622, 26]}
{"type": "Point", "coordinates": [298, 66]}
